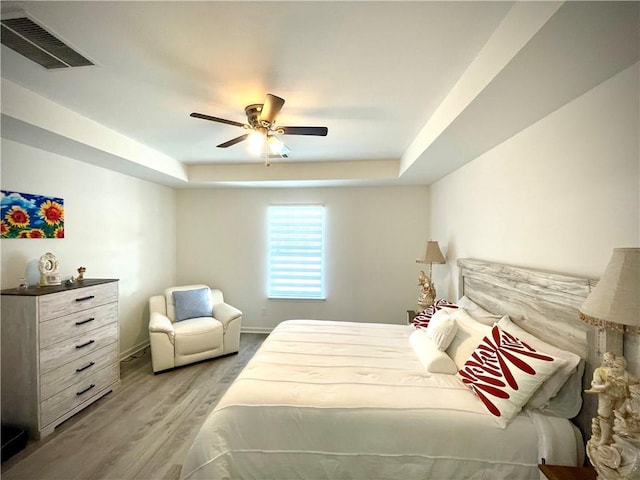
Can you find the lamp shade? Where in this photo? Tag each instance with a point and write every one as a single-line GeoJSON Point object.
{"type": "Point", "coordinates": [432, 254]}
{"type": "Point", "coordinates": [615, 301]}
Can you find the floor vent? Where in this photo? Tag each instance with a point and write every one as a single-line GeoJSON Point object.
{"type": "Point", "coordinates": [31, 40]}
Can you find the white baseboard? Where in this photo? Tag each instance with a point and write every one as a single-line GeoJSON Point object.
{"type": "Point", "coordinates": [264, 330]}
{"type": "Point", "coordinates": [133, 350]}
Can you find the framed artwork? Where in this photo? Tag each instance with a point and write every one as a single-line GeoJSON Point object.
{"type": "Point", "coordinates": [25, 215]}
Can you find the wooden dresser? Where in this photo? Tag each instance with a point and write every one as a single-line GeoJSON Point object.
{"type": "Point", "coordinates": [59, 351]}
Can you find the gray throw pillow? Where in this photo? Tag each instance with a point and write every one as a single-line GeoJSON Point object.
{"type": "Point", "coordinates": [192, 303]}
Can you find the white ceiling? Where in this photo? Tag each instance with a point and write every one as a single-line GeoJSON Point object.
{"type": "Point", "coordinates": [408, 90]}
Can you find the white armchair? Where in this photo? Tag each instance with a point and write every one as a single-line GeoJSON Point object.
{"type": "Point", "coordinates": [199, 326]}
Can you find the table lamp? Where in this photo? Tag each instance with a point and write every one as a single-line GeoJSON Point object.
{"type": "Point", "coordinates": [432, 255]}
{"type": "Point", "coordinates": [614, 303]}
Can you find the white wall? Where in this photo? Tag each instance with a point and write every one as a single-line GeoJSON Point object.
{"type": "Point", "coordinates": [373, 235]}
{"type": "Point", "coordinates": [116, 226]}
{"type": "Point", "coordinates": [559, 196]}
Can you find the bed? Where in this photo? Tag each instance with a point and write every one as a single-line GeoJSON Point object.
{"type": "Point", "coordinates": [328, 399]}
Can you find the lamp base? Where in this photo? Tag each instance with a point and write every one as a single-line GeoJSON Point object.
{"type": "Point", "coordinates": [618, 461]}
{"type": "Point", "coordinates": [427, 292]}
{"type": "Point", "coordinates": [424, 303]}
{"type": "Point", "coordinates": [614, 446]}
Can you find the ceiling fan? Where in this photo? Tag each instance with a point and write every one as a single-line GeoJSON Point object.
{"type": "Point", "coordinates": [261, 120]}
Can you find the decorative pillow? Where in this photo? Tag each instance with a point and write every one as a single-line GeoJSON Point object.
{"type": "Point", "coordinates": [434, 360]}
{"type": "Point", "coordinates": [192, 303]}
{"type": "Point", "coordinates": [441, 329]}
{"type": "Point", "coordinates": [477, 312]}
{"type": "Point", "coordinates": [552, 386]}
{"type": "Point", "coordinates": [422, 318]}
{"type": "Point", "coordinates": [504, 372]}
{"type": "Point", "coordinates": [469, 334]}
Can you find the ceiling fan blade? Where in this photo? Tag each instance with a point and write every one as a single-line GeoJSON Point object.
{"type": "Point", "coordinates": [317, 131]}
{"type": "Point", "coordinates": [216, 119]}
{"type": "Point", "coordinates": [271, 108]}
{"type": "Point", "coordinates": [233, 141]}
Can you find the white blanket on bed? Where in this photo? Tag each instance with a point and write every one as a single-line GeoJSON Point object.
{"type": "Point", "coordinates": [329, 400]}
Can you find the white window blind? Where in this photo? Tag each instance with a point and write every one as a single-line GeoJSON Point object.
{"type": "Point", "coordinates": [296, 251]}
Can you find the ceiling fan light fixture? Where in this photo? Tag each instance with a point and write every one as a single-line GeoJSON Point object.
{"type": "Point", "coordinates": [275, 146]}
{"type": "Point", "coordinates": [256, 142]}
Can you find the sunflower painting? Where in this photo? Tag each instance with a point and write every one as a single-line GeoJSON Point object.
{"type": "Point", "coordinates": [24, 215]}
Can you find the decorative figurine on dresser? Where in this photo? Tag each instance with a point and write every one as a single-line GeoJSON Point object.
{"type": "Point", "coordinates": [60, 350]}
{"type": "Point", "coordinates": [81, 271]}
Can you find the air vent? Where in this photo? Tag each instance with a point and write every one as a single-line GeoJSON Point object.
{"type": "Point", "coordinates": [28, 38]}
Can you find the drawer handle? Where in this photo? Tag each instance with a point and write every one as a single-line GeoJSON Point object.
{"type": "Point", "coordinates": [86, 321]}
{"type": "Point", "coordinates": [85, 367]}
{"type": "Point", "coordinates": [85, 298]}
{"type": "Point", "coordinates": [86, 389]}
{"type": "Point", "coordinates": [86, 344]}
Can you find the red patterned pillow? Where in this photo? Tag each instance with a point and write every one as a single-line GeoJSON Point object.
{"type": "Point", "coordinates": [422, 319]}
{"type": "Point", "coordinates": [504, 372]}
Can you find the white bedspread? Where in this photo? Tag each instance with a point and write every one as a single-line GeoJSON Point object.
{"type": "Point", "coordinates": [338, 400]}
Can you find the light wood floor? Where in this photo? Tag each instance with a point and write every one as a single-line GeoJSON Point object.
{"type": "Point", "coordinates": [141, 431]}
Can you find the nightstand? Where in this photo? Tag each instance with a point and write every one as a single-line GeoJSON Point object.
{"type": "Point", "coordinates": [558, 472]}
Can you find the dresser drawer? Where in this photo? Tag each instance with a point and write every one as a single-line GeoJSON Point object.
{"type": "Point", "coordinates": [69, 398]}
{"type": "Point", "coordinates": [77, 371]}
{"type": "Point", "coordinates": [74, 348]}
{"type": "Point", "coordinates": [79, 323]}
{"type": "Point", "coordinates": [65, 303]}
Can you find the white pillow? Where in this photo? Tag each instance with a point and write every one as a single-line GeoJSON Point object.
{"type": "Point", "coordinates": [477, 312]}
{"type": "Point", "coordinates": [441, 329]}
{"type": "Point", "coordinates": [567, 403]}
{"type": "Point", "coordinates": [469, 334]}
{"type": "Point", "coordinates": [434, 360]}
{"type": "Point", "coordinates": [504, 372]}
{"type": "Point", "coordinates": [552, 386]}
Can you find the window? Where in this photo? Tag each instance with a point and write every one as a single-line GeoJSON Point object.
{"type": "Point", "coordinates": [296, 251]}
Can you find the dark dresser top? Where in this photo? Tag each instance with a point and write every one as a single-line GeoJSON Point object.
{"type": "Point", "coordinates": [37, 291]}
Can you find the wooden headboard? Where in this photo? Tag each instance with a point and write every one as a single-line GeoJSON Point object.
{"type": "Point", "coordinates": [545, 304]}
